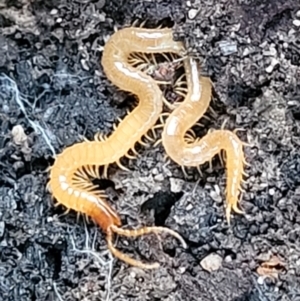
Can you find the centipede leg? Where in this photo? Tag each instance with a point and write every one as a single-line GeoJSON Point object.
{"type": "Point", "coordinates": [134, 151]}
{"type": "Point", "coordinates": [168, 104]}
{"type": "Point", "coordinates": [105, 171]}
{"type": "Point", "coordinates": [157, 142]}
{"type": "Point", "coordinates": [199, 171]}
{"type": "Point", "coordinates": [131, 157]}
{"type": "Point", "coordinates": [161, 116]}
{"type": "Point", "coordinates": [121, 166]}
{"type": "Point", "coordinates": [184, 172]}
{"type": "Point", "coordinates": [143, 143]}
{"type": "Point", "coordinates": [56, 204]}
{"type": "Point", "coordinates": [149, 138]}
{"type": "Point", "coordinates": [65, 213]}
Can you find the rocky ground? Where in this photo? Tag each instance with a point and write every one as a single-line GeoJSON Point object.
{"type": "Point", "coordinates": [53, 92]}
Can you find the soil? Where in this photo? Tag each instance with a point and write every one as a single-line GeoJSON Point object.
{"type": "Point", "coordinates": [53, 92]}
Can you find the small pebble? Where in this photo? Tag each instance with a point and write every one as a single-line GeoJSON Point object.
{"type": "Point", "coordinates": [274, 63]}
{"type": "Point", "coordinates": [228, 47]}
{"type": "Point", "coordinates": [159, 177]}
{"type": "Point", "coordinates": [2, 228]}
{"type": "Point", "coordinates": [189, 207]}
{"type": "Point", "coordinates": [260, 280]}
{"type": "Point", "coordinates": [18, 134]}
{"type": "Point", "coordinates": [84, 65]}
{"type": "Point", "coordinates": [155, 171]}
{"type": "Point", "coordinates": [211, 262]}
{"type": "Point", "coordinates": [176, 184]}
{"type": "Point", "coordinates": [296, 23]}
{"type": "Point", "coordinates": [53, 12]}
{"type": "Point", "coordinates": [193, 13]}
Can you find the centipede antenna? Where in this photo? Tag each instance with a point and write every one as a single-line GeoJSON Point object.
{"type": "Point", "coordinates": [126, 258]}
{"type": "Point", "coordinates": [148, 230]}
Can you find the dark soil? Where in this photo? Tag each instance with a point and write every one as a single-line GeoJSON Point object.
{"type": "Point", "coordinates": [53, 87]}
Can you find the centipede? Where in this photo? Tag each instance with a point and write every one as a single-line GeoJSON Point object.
{"type": "Point", "coordinates": [70, 176]}
{"type": "Point", "coordinates": [190, 151]}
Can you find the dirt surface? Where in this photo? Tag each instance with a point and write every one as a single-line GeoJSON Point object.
{"type": "Point", "coordinates": [53, 92]}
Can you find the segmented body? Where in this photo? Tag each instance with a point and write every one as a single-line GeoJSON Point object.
{"type": "Point", "coordinates": [202, 150]}
{"type": "Point", "coordinates": [70, 175]}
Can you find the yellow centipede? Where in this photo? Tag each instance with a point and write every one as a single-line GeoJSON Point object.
{"type": "Point", "coordinates": [70, 175]}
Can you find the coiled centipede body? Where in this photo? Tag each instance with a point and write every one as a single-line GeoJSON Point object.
{"type": "Point", "coordinates": [70, 175]}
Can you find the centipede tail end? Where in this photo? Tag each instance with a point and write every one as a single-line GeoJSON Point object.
{"type": "Point", "coordinates": [126, 258]}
